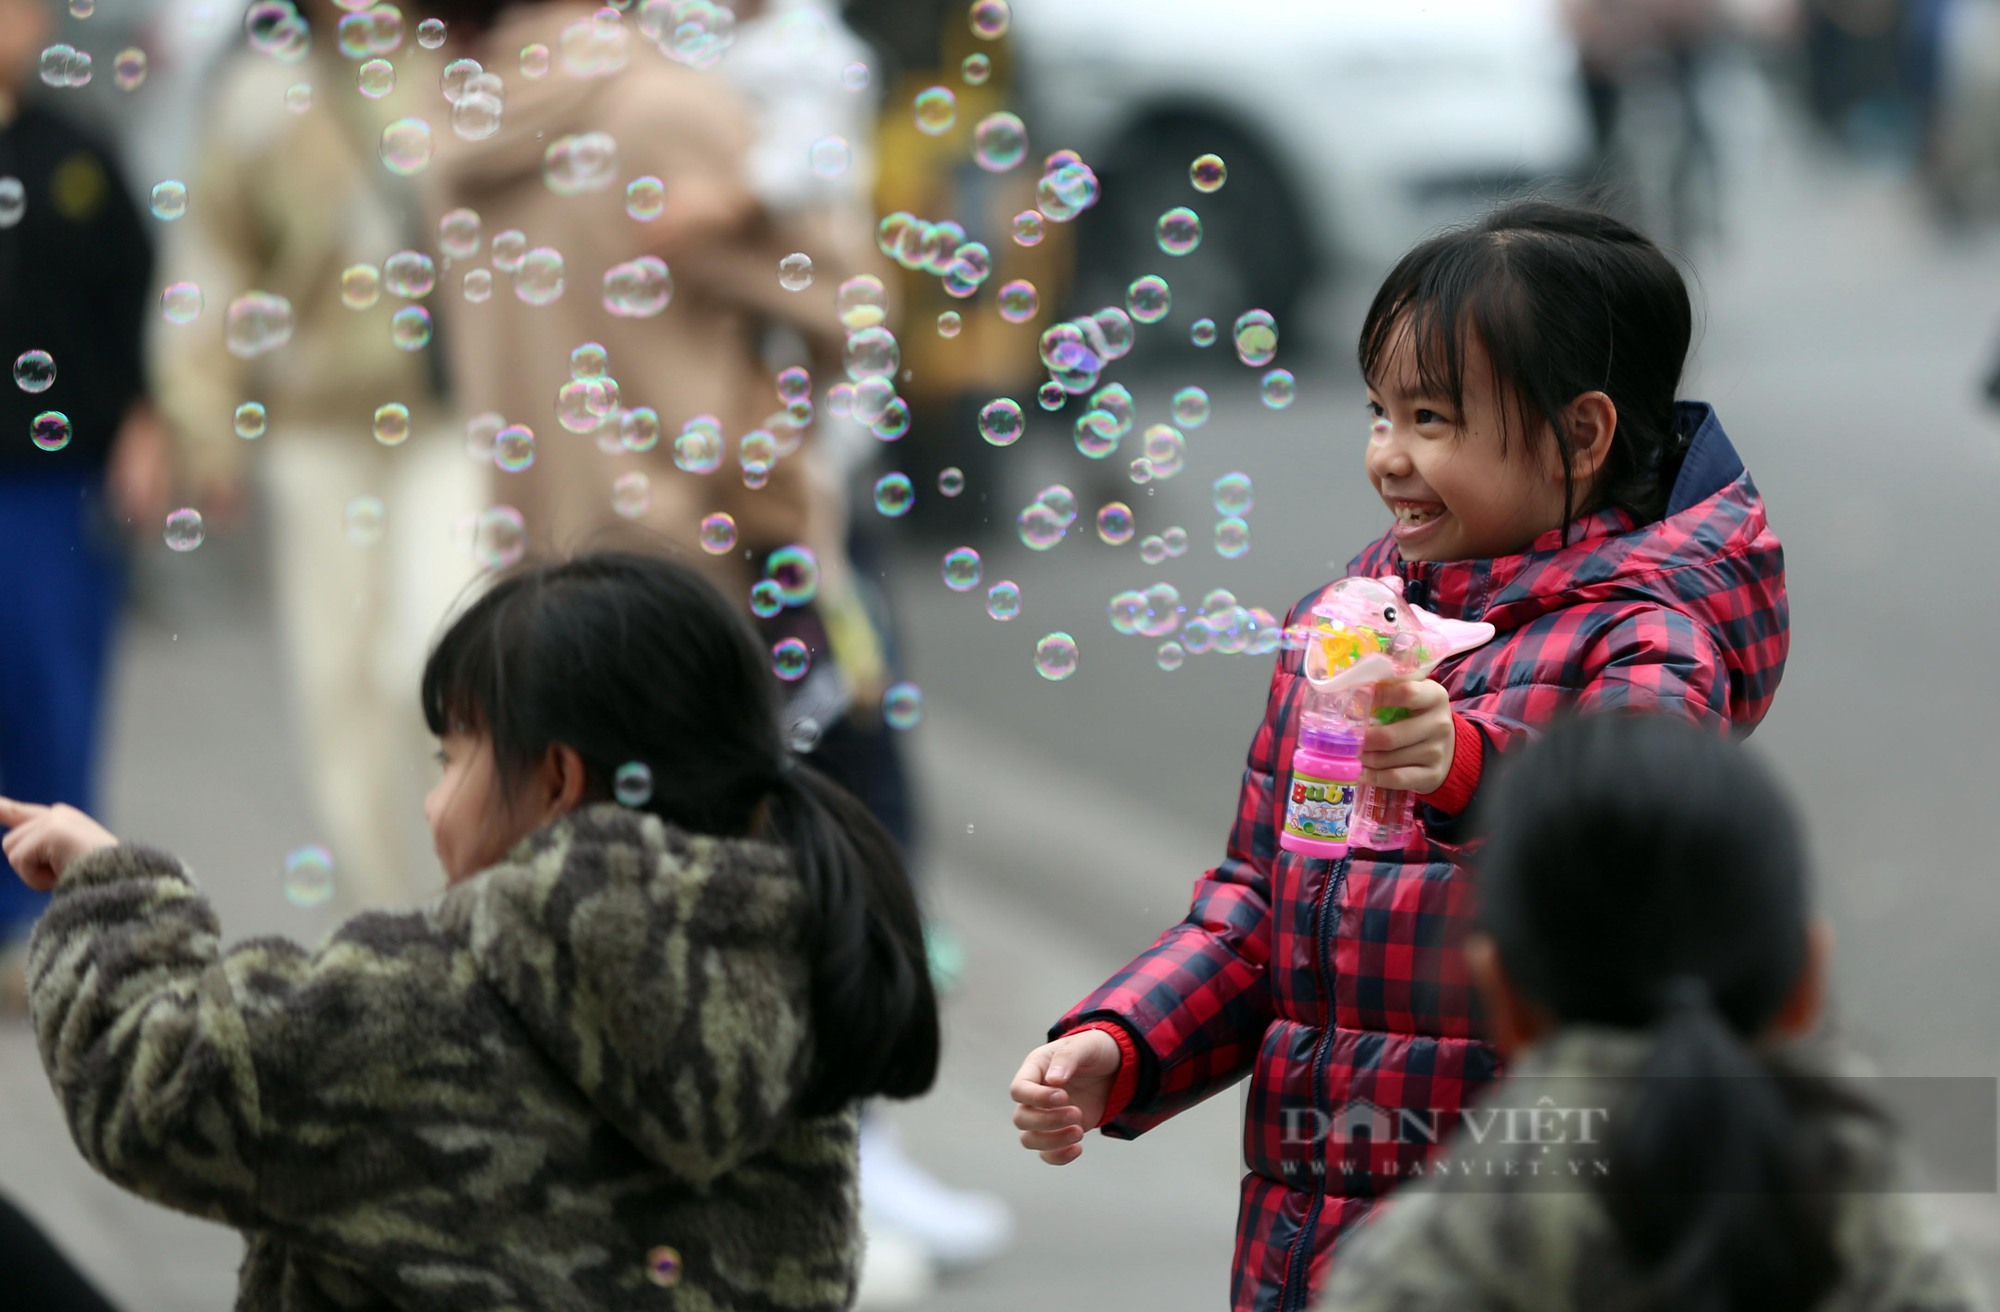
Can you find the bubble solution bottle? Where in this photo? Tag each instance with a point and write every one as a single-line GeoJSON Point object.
{"type": "Point", "coordinates": [1326, 776]}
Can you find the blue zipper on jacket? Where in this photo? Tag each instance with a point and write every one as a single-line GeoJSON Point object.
{"type": "Point", "coordinates": [1299, 1263]}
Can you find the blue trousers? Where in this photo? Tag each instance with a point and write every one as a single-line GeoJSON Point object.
{"type": "Point", "coordinates": [61, 571]}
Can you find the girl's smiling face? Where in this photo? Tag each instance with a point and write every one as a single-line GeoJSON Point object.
{"type": "Point", "coordinates": [1440, 467]}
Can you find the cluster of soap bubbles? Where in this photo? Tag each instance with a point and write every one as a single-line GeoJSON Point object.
{"type": "Point", "coordinates": [1233, 499]}
{"type": "Point", "coordinates": [692, 32]}
{"type": "Point", "coordinates": [940, 249]}
{"type": "Point", "coordinates": [1220, 624]}
{"type": "Point", "coordinates": [1046, 520]}
{"type": "Point", "coordinates": [1076, 351]}
{"type": "Point", "coordinates": [65, 66]}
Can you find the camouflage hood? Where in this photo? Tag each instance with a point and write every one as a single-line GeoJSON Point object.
{"type": "Point", "coordinates": [661, 971]}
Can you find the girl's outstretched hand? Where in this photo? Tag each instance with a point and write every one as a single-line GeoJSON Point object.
{"type": "Point", "coordinates": [1415, 752]}
{"type": "Point", "coordinates": [41, 841]}
{"type": "Point", "coordinates": [1061, 1090]}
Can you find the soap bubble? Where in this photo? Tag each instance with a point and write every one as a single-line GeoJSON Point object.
{"type": "Point", "coordinates": [861, 302]}
{"type": "Point", "coordinates": [790, 659]}
{"type": "Point", "coordinates": [1056, 656]}
{"type": "Point", "coordinates": [795, 569]}
{"type": "Point", "coordinates": [718, 533]}
{"type": "Point", "coordinates": [1179, 231]}
{"type": "Point", "coordinates": [795, 272]}
{"type": "Point", "coordinates": [34, 371]}
{"type": "Point", "coordinates": [589, 361]}
{"type": "Point", "coordinates": [951, 481]}
{"type": "Point", "coordinates": [169, 200]}
{"type": "Point", "coordinates": [1028, 228]}
{"type": "Point", "coordinates": [410, 328]}
{"type": "Point", "coordinates": [1256, 338]}
{"type": "Point", "coordinates": [509, 250]}
{"type": "Point", "coordinates": [430, 33]}
{"type": "Point", "coordinates": [1148, 299]}
{"type": "Point", "coordinates": [1166, 449]}
{"type": "Point", "coordinates": [794, 384]}
{"type": "Point", "coordinates": [1176, 541]}
{"type": "Point", "coordinates": [698, 449]}
{"type": "Point", "coordinates": [480, 432]}
{"type": "Point", "coordinates": [184, 529]}
{"type": "Point", "coordinates": [1126, 610]}
{"type": "Point", "coordinates": [645, 198]}
{"type": "Point", "coordinates": [13, 202]}
{"type": "Point", "coordinates": [989, 19]}
{"type": "Point", "coordinates": [894, 495]}
{"type": "Point", "coordinates": [971, 264]}
{"type": "Point", "coordinates": [638, 289]}
{"type": "Point", "coordinates": [936, 110]}
{"type": "Point", "coordinates": [409, 274]}
{"type": "Point", "coordinates": [975, 69]}
{"type": "Point", "coordinates": [459, 234]}
{"type": "Point", "coordinates": [360, 286]}
{"type": "Point", "coordinates": [392, 423]}
{"type": "Point", "coordinates": [250, 420]}
{"type": "Point", "coordinates": [1191, 407]}
{"type": "Point", "coordinates": [1003, 600]}
{"type": "Point", "coordinates": [1096, 434]}
{"type": "Point", "coordinates": [514, 448]}
{"type": "Point", "coordinates": [478, 285]}
{"type": "Point", "coordinates": [1041, 526]}
{"type": "Point", "coordinates": [639, 429]}
{"type": "Point", "coordinates": [376, 78]}
{"type": "Point", "coordinates": [872, 353]}
{"type": "Point", "coordinates": [540, 280]}
{"type": "Point", "coordinates": [534, 61]}
{"type": "Point", "coordinates": [1000, 142]}
{"type": "Point", "coordinates": [1280, 389]}
{"type": "Point", "coordinates": [1170, 655]}
{"type": "Point", "coordinates": [765, 599]}
{"type": "Point", "coordinates": [1019, 301]}
{"type": "Point", "coordinates": [949, 323]}
{"type": "Point", "coordinates": [1153, 549]}
{"type": "Point", "coordinates": [1232, 538]}
{"type": "Point", "coordinates": [181, 303]}
{"type": "Point", "coordinates": [1207, 173]}
{"type": "Point", "coordinates": [580, 162]}
{"type": "Point", "coordinates": [1051, 395]}
{"type": "Point", "coordinates": [830, 157]}
{"type": "Point", "coordinates": [1142, 470]}
{"type": "Point", "coordinates": [871, 397]}
{"type": "Point", "coordinates": [363, 520]}
{"type": "Point", "coordinates": [128, 70]}
{"type": "Point", "coordinates": [299, 97]}
{"type": "Point", "coordinates": [962, 568]}
{"type": "Point", "coordinates": [499, 537]}
{"type": "Point", "coordinates": [854, 76]}
{"type": "Point", "coordinates": [1067, 191]}
{"type": "Point", "coordinates": [406, 147]}
{"type": "Point", "coordinates": [50, 430]}
{"type": "Point", "coordinates": [475, 116]}
{"type": "Point", "coordinates": [632, 784]}
{"type": "Point", "coordinates": [309, 877]}
{"type": "Point", "coordinates": [1233, 495]}
{"type": "Point", "coordinates": [1202, 332]}
{"type": "Point", "coordinates": [1114, 524]}
{"type": "Point", "coordinates": [895, 420]}
{"type": "Point", "coordinates": [1060, 500]}
{"type": "Point", "coordinates": [257, 323]}
{"type": "Point", "coordinates": [902, 705]}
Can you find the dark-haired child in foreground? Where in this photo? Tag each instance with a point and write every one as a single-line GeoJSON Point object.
{"type": "Point", "coordinates": [1543, 477]}
{"type": "Point", "coordinates": [1646, 950]}
{"type": "Point", "coordinates": [618, 1056]}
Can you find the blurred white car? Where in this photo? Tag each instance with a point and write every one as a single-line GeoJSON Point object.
{"type": "Point", "coordinates": [1349, 128]}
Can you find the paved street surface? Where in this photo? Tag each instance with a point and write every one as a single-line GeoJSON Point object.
{"type": "Point", "coordinates": [1842, 344]}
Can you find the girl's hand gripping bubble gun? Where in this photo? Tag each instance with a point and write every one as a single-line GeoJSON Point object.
{"type": "Point", "coordinates": [1364, 634]}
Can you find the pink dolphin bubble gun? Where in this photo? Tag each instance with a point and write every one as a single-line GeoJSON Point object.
{"type": "Point", "coordinates": [1364, 633]}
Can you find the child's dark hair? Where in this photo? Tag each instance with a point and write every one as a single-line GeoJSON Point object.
{"type": "Point", "coordinates": [628, 657]}
{"type": "Point", "coordinates": [1642, 873]}
{"type": "Point", "coordinates": [1566, 300]}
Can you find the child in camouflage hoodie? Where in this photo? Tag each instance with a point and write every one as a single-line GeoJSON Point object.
{"type": "Point", "coordinates": [613, 1065]}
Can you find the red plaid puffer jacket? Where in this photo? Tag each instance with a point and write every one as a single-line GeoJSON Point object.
{"type": "Point", "coordinates": [1337, 986]}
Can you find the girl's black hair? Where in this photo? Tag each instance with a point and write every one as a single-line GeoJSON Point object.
{"type": "Point", "coordinates": [1627, 855]}
{"type": "Point", "coordinates": [629, 657]}
{"type": "Point", "coordinates": [1566, 300]}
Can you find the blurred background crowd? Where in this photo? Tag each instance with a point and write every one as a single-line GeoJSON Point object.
{"type": "Point", "coordinates": [344, 305]}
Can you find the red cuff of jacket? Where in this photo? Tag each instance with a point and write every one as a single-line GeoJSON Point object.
{"type": "Point", "coordinates": [1127, 1082]}
{"type": "Point", "coordinates": [1468, 757]}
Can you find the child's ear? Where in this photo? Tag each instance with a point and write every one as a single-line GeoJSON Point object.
{"type": "Point", "coordinates": [1592, 421]}
{"type": "Point", "coordinates": [563, 781]}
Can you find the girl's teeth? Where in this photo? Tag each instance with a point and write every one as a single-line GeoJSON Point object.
{"type": "Point", "coordinates": [1408, 515]}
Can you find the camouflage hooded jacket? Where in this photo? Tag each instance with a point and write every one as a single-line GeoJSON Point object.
{"type": "Point", "coordinates": [563, 1084]}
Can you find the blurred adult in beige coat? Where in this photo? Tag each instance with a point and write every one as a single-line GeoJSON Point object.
{"type": "Point", "coordinates": [646, 116]}
{"type": "Point", "coordinates": [282, 200]}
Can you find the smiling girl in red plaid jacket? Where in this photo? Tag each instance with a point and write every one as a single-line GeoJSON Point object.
{"type": "Point", "coordinates": [1542, 478]}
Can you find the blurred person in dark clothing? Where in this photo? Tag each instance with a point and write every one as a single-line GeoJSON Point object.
{"type": "Point", "coordinates": [75, 271]}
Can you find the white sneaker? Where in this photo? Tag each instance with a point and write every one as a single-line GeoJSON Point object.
{"type": "Point", "coordinates": [958, 1228]}
{"type": "Point", "coordinates": [896, 1272]}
